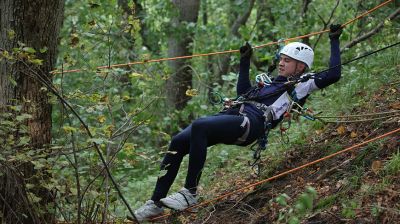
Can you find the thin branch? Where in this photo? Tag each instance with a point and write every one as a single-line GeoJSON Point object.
{"type": "Point", "coordinates": [86, 127]}
{"type": "Point", "coordinates": [209, 215]}
{"type": "Point", "coordinates": [77, 177]}
{"type": "Point", "coordinates": [9, 207]}
{"type": "Point", "coordinates": [326, 23]}
{"type": "Point", "coordinates": [371, 32]}
{"type": "Point", "coordinates": [320, 17]}
{"type": "Point", "coordinates": [240, 21]}
{"type": "Point", "coordinates": [304, 9]}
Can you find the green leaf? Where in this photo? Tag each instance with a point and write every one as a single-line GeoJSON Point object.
{"type": "Point", "coordinates": [36, 61]}
{"type": "Point", "coordinates": [11, 34]}
{"type": "Point", "coordinates": [281, 199]}
{"type": "Point", "coordinates": [96, 140]}
{"type": "Point", "coordinates": [23, 117]}
{"type": "Point", "coordinates": [308, 200]}
{"type": "Point", "coordinates": [69, 129]}
{"type": "Point", "coordinates": [294, 220]}
{"type": "Point", "coordinates": [30, 186]}
{"type": "Point", "coordinates": [38, 165]}
{"type": "Point", "coordinates": [162, 173]}
{"type": "Point", "coordinates": [33, 198]}
{"type": "Point", "coordinates": [24, 140]}
{"type": "Point", "coordinates": [13, 82]}
{"type": "Point", "coordinates": [74, 191]}
{"type": "Point", "coordinates": [29, 50]}
{"type": "Point", "coordinates": [7, 123]}
{"type": "Point", "coordinates": [300, 207]}
{"type": "Point", "coordinates": [43, 50]}
{"type": "Point", "coordinates": [312, 191]}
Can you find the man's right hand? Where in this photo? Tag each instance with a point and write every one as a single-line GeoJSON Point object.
{"type": "Point", "coordinates": [246, 51]}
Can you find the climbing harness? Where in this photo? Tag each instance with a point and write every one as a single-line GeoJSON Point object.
{"type": "Point", "coordinates": [249, 98]}
{"type": "Point", "coordinates": [245, 124]}
{"type": "Point", "coordinates": [305, 112]}
{"type": "Point", "coordinates": [263, 79]}
{"type": "Point", "coordinates": [257, 148]}
{"type": "Point", "coordinates": [216, 98]}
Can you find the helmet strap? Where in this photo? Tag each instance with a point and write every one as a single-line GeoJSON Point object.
{"type": "Point", "coordinates": [295, 74]}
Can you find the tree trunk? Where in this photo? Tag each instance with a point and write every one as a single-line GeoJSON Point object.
{"type": "Point", "coordinates": [36, 24]}
{"type": "Point", "coordinates": [179, 45]}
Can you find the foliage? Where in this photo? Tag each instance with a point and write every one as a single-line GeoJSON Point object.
{"type": "Point", "coordinates": [293, 213]}
{"type": "Point", "coordinates": [125, 107]}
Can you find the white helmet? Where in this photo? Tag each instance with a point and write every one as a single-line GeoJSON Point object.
{"type": "Point", "coordinates": [300, 52]}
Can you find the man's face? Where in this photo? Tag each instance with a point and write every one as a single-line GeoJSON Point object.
{"type": "Point", "coordinates": [289, 66]}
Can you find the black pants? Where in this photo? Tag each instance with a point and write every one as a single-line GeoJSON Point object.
{"type": "Point", "coordinates": [194, 140]}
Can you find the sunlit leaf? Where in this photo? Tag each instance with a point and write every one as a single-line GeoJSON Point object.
{"type": "Point", "coordinates": [11, 34]}
{"type": "Point", "coordinates": [192, 92]}
{"type": "Point", "coordinates": [101, 118]}
{"type": "Point", "coordinates": [69, 129]}
{"type": "Point", "coordinates": [43, 50]}
{"type": "Point", "coordinates": [134, 75]}
{"type": "Point", "coordinates": [29, 50]}
{"type": "Point", "coordinates": [37, 61]}
{"type": "Point", "coordinates": [341, 130]}
{"type": "Point", "coordinates": [376, 166]}
{"type": "Point", "coordinates": [23, 117]}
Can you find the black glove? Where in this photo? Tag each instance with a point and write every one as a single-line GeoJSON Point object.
{"type": "Point", "coordinates": [246, 51]}
{"type": "Point", "coordinates": [335, 31]}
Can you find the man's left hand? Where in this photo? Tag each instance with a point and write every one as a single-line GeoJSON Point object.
{"type": "Point", "coordinates": [335, 31]}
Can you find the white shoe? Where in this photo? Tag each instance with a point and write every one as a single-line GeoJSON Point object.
{"type": "Point", "coordinates": [180, 201]}
{"type": "Point", "coordinates": [147, 211]}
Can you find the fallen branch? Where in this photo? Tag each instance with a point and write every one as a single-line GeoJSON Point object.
{"type": "Point", "coordinates": [331, 170]}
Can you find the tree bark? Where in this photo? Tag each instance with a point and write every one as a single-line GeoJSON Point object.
{"type": "Point", "coordinates": [179, 45]}
{"type": "Point", "coordinates": [36, 24]}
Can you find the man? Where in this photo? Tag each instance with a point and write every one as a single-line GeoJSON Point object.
{"type": "Point", "coordinates": [242, 123]}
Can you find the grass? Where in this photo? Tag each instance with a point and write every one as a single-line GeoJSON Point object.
{"type": "Point", "coordinates": [392, 167]}
{"type": "Point", "coordinates": [326, 202]}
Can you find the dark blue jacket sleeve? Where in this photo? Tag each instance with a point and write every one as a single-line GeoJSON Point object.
{"type": "Point", "coordinates": [333, 75]}
{"type": "Point", "coordinates": [243, 83]}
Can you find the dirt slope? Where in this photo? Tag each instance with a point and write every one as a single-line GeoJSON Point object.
{"type": "Point", "coordinates": [353, 187]}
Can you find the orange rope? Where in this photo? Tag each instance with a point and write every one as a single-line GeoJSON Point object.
{"type": "Point", "coordinates": [222, 52]}
{"type": "Point", "coordinates": [283, 174]}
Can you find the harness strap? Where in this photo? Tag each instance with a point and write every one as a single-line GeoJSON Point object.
{"type": "Point", "coordinates": [245, 124]}
{"type": "Point", "coordinates": [267, 111]}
